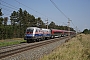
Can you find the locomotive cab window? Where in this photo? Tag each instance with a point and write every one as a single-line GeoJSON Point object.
{"type": "Point", "coordinates": [29, 31]}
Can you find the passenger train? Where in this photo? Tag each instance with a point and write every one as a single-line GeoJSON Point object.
{"type": "Point", "coordinates": [37, 34]}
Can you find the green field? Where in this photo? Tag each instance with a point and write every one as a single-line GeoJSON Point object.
{"type": "Point", "coordinates": [14, 41]}
{"type": "Point", "coordinates": [78, 48]}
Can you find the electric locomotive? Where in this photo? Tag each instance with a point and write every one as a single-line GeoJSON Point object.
{"type": "Point", "coordinates": [33, 34]}
{"type": "Point", "coordinates": [36, 34]}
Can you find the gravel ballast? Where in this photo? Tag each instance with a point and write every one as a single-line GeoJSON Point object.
{"type": "Point", "coordinates": [36, 53]}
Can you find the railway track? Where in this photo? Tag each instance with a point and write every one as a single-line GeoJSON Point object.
{"type": "Point", "coordinates": [11, 50]}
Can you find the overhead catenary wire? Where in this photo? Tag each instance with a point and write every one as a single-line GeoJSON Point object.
{"type": "Point", "coordinates": [58, 8]}
{"type": "Point", "coordinates": [8, 7]}
{"type": "Point", "coordinates": [8, 10]}
{"type": "Point", "coordinates": [33, 9]}
{"type": "Point", "coordinates": [8, 4]}
{"type": "Point", "coordinates": [11, 6]}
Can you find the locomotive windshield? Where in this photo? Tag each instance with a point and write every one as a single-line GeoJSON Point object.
{"type": "Point", "coordinates": [29, 31]}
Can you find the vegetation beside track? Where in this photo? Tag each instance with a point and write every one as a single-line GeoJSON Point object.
{"type": "Point", "coordinates": [77, 48]}
{"type": "Point", "coordinates": [14, 41]}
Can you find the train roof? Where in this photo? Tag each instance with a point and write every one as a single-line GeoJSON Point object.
{"type": "Point", "coordinates": [45, 29]}
{"type": "Point", "coordinates": [57, 30]}
{"type": "Point", "coordinates": [37, 28]}
{"type": "Point", "coordinates": [31, 27]}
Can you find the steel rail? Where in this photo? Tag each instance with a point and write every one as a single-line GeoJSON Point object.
{"type": "Point", "coordinates": [25, 48]}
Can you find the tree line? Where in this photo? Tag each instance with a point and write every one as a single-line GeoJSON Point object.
{"type": "Point", "coordinates": [20, 20]}
{"type": "Point", "coordinates": [86, 31]}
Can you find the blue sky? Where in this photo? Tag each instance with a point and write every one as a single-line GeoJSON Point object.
{"type": "Point", "coordinates": [77, 10]}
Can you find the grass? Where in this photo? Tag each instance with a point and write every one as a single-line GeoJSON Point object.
{"type": "Point", "coordinates": [77, 48]}
{"type": "Point", "coordinates": [9, 42]}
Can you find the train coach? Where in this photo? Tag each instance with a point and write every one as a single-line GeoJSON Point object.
{"type": "Point", "coordinates": [56, 33]}
{"type": "Point", "coordinates": [61, 33]}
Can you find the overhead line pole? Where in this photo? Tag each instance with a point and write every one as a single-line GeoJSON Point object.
{"type": "Point", "coordinates": [69, 27]}
{"type": "Point", "coordinates": [46, 23]}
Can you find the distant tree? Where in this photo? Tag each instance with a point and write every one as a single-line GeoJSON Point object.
{"type": "Point", "coordinates": [66, 28]}
{"type": "Point", "coordinates": [5, 20]}
{"type": "Point", "coordinates": [71, 29]}
{"type": "Point", "coordinates": [62, 27]}
{"type": "Point", "coordinates": [0, 12]}
{"type": "Point", "coordinates": [40, 23]}
{"type": "Point", "coordinates": [14, 17]}
{"type": "Point", "coordinates": [52, 25]}
{"type": "Point", "coordinates": [32, 20]}
{"type": "Point", "coordinates": [14, 21]}
{"type": "Point", "coordinates": [89, 31]}
{"type": "Point", "coordinates": [20, 20]}
{"type": "Point", "coordinates": [1, 25]}
{"type": "Point", "coordinates": [86, 31]}
{"type": "Point", "coordinates": [1, 19]}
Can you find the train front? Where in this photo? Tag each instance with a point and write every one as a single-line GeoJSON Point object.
{"type": "Point", "coordinates": [29, 33]}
